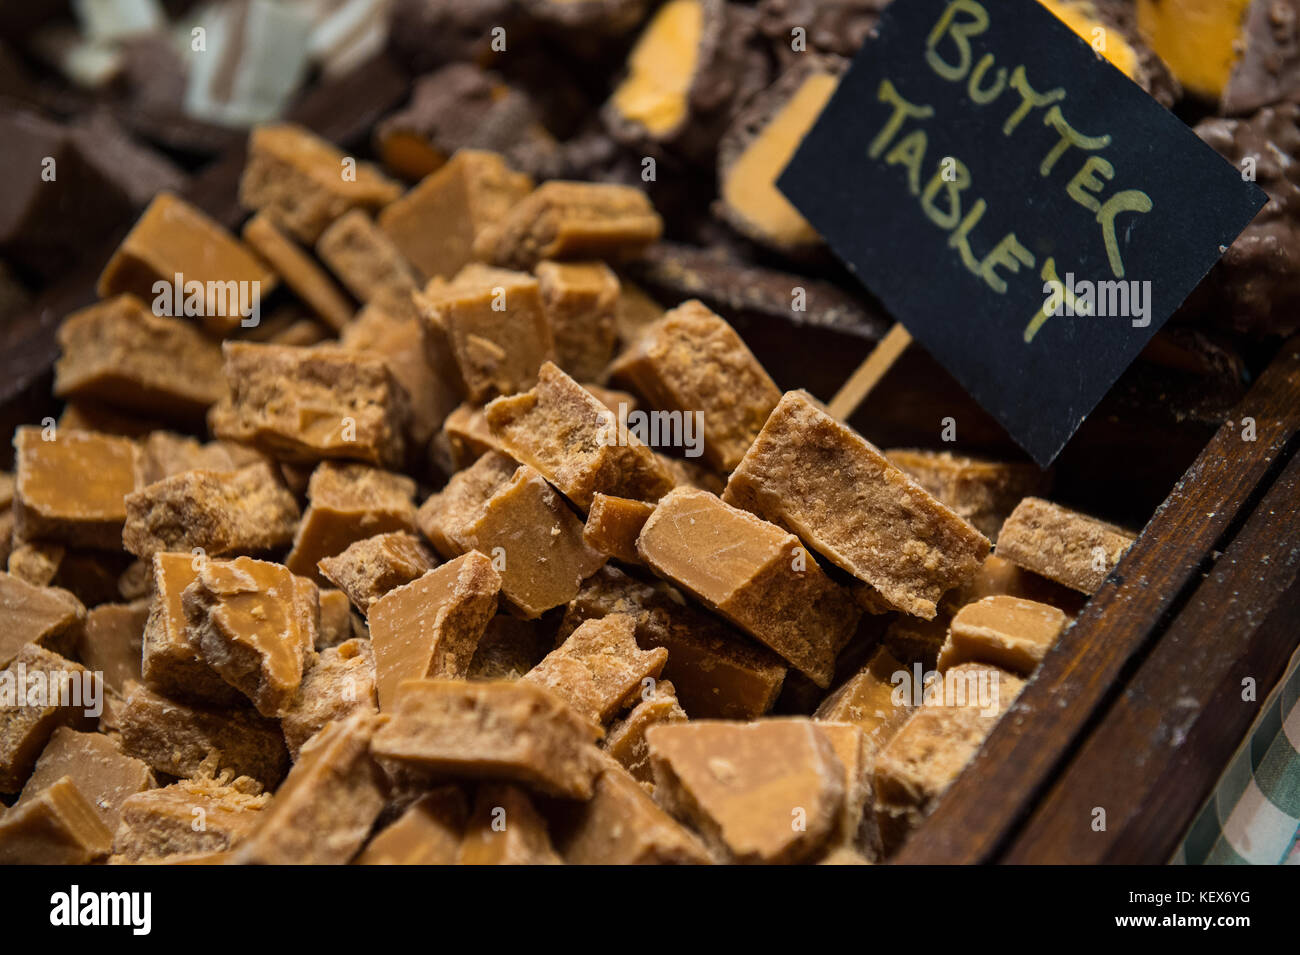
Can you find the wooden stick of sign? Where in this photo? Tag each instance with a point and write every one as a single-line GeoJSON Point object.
{"type": "Point", "coordinates": [859, 384]}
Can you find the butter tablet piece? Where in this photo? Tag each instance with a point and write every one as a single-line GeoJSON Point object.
{"type": "Point", "coordinates": [510, 731]}
{"type": "Point", "coordinates": [337, 621]}
{"type": "Point", "coordinates": [1005, 632]}
{"type": "Point", "coordinates": [429, 832]}
{"type": "Point", "coordinates": [867, 700]}
{"type": "Point", "coordinates": [573, 441]}
{"type": "Point", "coordinates": [169, 664]}
{"type": "Point", "coordinates": [44, 616]}
{"type": "Point", "coordinates": [692, 362]}
{"type": "Point", "coordinates": [510, 647]}
{"type": "Point", "coordinates": [58, 827]}
{"type": "Point", "coordinates": [580, 298]}
{"type": "Point", "coordinates": [980, 491]}
{"type": "Point", "coordinates": [431, 627]}
{"type": "Point", "coordinates": [338, 683]}
{"type": "Point", "coordinates": [744, 786]}
{"type": "Point", "coordinates": [816, 476]}
{"type": "Point", "coordinates": [370, 568]}
{"type": "Point", "coordinates": [97, 767]}
{"type": "Point", "coordinates": [189, 817]}
{"type": "Point", "coordinates": [506, 829]}
{"type": "Point", "coordinates": [614, 524]}
{"type": "Point", "coordinates": [758, 576]}
{"type": "Point", "coordinates": [368, 263]}
{"type": "Point", "coordinates": [300, 272]}
{"type": "Point", "coordinates": [1063, 545]}
{"type": "Point", "coordinates": [44, 680]}
{"type": "Point", "coordinates": [625, 742]}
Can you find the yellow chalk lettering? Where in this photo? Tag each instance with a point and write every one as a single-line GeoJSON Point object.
{"type": "Point", "coordinates": [888, 93]}
{"type": "Point", "coordinates": [946, 219]}
{"type": "Point", "coordinates": [960, 238]}
{"type": "Point", "coordinates": [960, 31]}
{"type": "Point", "coordinates": [982, 97]}
{"type": "Point", "coordinates": [1008, 254]}
{"type": "Point", "coordinates": [909, 153]}
{"type": "Point", "coordinates": [1070, 137]}
{"type": "Point", "coordinates": [1030, 99]}
{"type": "Point", "coordinates": [1085, 185]}
{"type": "Point", "coordinates": [1130, 200]}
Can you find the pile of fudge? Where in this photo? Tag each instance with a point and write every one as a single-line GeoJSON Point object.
{"type": "Point", "coordinates": [469, 549]}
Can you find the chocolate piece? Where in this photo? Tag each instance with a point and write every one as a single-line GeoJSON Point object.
{"type": "Point", "coordinates": [44, 616]}
{"type": "Point", "coordinates": [693, 362]}
{"type": "Point", "coordinates": [716, 671]}
{"type": "Point", "coordinates": [182, 740]}
{"type": "Point", "coordinates": [71, 489]}
{"type": "Point", "coordinates": [302, 183]}
{"type": "Point", "coordinates": [1005, 632]}
{"type": "Point", "coordinates": [829, 26]}
{"type": "Point", "coordinates": [626, 744]}
{"type": "Point", "coordinates": [254, 623]}
{"type": "Point", "coordinates": [58, 827]}
{"type": "Point", "coordinates": [370, 568]}
{"type": "Point", "coordinates": [338, 623]}
{"type": "Point", "coordinates": [305, 404]}
{"type": "Point", "coordinates": [473, 190]}
{"type": "Point", "coordinates": [574, 441]}
{"type": "Point", "coordinates": [111, 642]}
{"type": "Point", "coordinates": [1200, 40]}
{"type": "Point", "coordinates": [1122, 43]}
{"type": "Point", "coordinates": [323, 812]}
{"type": "Point", "coordinates": [759, 145]}
{"type": "Point", "coordinates": [571, 220]}
{"type": "Point", "coordinates": [348, 503]}
{"type": "Point", "coordinates": [511, 513]}
{"type": "Point", "coordinates": [766, 792]}
{"type": "Point", "coordinates": [431, 627]}
{"type": "Point", "coordinates": [494, 328]}
{"type": "Point", "coordinates": [622, 825]}
{"type": "Point", "coordinates": [599, 669]}
{"type": "Point", "coordinates": [300, 272]}
{"type": "Point", "coordinates": [757, 576]}
{"type": "Point", "coordinates": [192, 816]}
{"type": "Point", "coordinates": [172, 238]}
{"type": "Point", "coordinates": [428, 833]}
{"type": "Point", "coordinates": [810, 473]}
{"type": "Point", "coordinates": [403, 345]}
{"type": "Point", "coordinates": [512, 731]}
{"type": "Point", "coordinates": [134, 167]}
{"type": "Point", "coordinates": [219, 512]}
{"type": "Point", "coordinates": [509, 648]}
{"type": "Point", "coordinates": [613, 525]}
{"type": "Point", "coordinates": [1062, 545]}
{"type": "Point", "coordinates": [1265, 73]}
{"type": "Point", "coordinates": [340, 682]}
{"type": "Point", "coordinates": [580, 298]}
{"type": "Point", "coordinates": [368, 263]}
{"type": "Point", "coordinates": [120, 353]}
{"type": "Point", "coordinates": [39, 692]}
{"type": "Point", "coordinates": [867, 700]}
{"type": "Point", "coordinates": [505, 829]}
{"type": "Point", "coordinates": [96, 766]}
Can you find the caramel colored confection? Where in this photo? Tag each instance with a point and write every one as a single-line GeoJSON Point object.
{"type": "Point", "coordinates": [222, 512]}
{"type": "Point", "coordinates": [465, 437]}
{"type": "Point", "coordinates": [756, 575]}
{"type": "Point", "coordinates": [473, 190]}
{"type": "Point", "coordinates": [348, 503]}
{"type": "Point", "coordinates": [599, 669]}
{"type": "Point", "coordinates": [255, 624]}
{"type": "Point", "coordinates": [174, 238]}
{"type": "Point", "coordinates": [45, 616]}
{"type": "Point", "coordinates": [494, 327]}
{"type": "Point", "coordinates": [1006, 632]}
{"type": "Point", "coordinates": [866, 700]}
{"type": "Point", "coordinates": [822, 480]}
{"type": "Point", "coordinates": [431, 627]}
{"type": "Point", "coordinates": [36, 564]}
{"type": "Point", "coordinates": [511, 731]}
{"type": "Point", "coordinates": [692, 361]}
{"type": "Point", "coordinates": [300, 272]}
{"type": "Point", "coordinates": [192, 816]}
{"type": "Point", "coordinates": [716, 670]}
{"type": "Point", "coordinates": [622, 825]}
{"type": "Point", "coordinates": [337, 621]}
{"type": "Point", "coordinates": [323, 812]}
{"type": "Point", "coordinates": [509, 648]}
{"type": "Point", "coordinates": [111, 642]}
{"type": "Point", "coordinates": [370, 568]}
{"type": "Point", "coordinates": [182, 740]}
{"type": "Point", "coordinates": [1062, 545]}
{"type": "Point", "coordinates": [1201, 40]}
{"type": "Point", "coordinates": [625, 742]}
{"type": "Point", "coordinates": [934, 746]}
{"type": "Point", "coordinates": [368, 263]}
{"type": "Point", "coordinates": [163, 454]}
{"type": "Point", "coordinates": [571, 220]}
{"type": "Point", "coordinates": [573, 440]}
{"type": "Point", "coordinates": [301, 182]}
{"type": "Point", "coordinates": [981, 492]}
{"type": "Point", "coordinates": [96, 766]}
{"type": "Point", "coordinates": [39, 692]}
{"type": "Point", "coordinates": [745, 787]}
{"type": "Point", "coordinates": [72, 489]}
{"type": "Point", "coordinates": [404, 346]}
{"type": "Point", "coordinates": [614, 524]}
{"type": "Point", "coordinates": [339, 683]}
{"type": "Point", "coordinates": [857, 823]}
{"type": "Point", "coordinates": [580, 298]}
{"type": "Point", "coordinates": [506, 829]}
{"type": "Point", "coordinates": [429, 832]}
{"type": "Point", "coordinates": [169, 663]}
{"type": "Point", "coordinates": [120, 353]}
{"type": "Point", "coordinates": [58, 827]}
{"type": "Point", "coordinates": [511, 513]}
{"type": "Point", "coordinates": [305, 404]}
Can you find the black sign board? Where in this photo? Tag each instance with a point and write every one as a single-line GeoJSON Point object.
{"type": "Point", "coordinates": [1023, 208]}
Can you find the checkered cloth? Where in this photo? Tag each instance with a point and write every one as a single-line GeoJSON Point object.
{"type": "Point", "coordinates": [1253, 818]}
